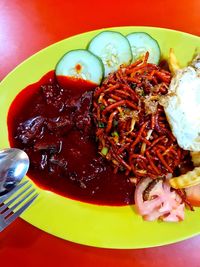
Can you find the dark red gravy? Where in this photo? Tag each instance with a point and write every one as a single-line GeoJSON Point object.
{"type": "Point", "coordinates": [54, 126]}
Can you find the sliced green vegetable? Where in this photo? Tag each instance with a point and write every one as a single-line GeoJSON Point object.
{"type": "Point", "coordinates": [81, 64]}
{"type": "Point", "coordinates": [113, 48]}
{"type": "Point", "coordinates": [115, 123]}
{"type": "Point", "coordinates": [101, 124]}
{"type": "Point", "coordinates": [102, 107]}
{"type": "Point", "coordinates": [104, 151]}
{"type": "Point", "coordinates": [142, 42]}
{"type": "Point", "coordinates": [115, 133]}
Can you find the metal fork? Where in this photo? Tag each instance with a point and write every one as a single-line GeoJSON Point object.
{"type": "Point", "coordinates": [12, 205]}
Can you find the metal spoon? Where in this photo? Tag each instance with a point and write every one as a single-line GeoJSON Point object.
{"type": "Point", "coordinates": [14, 164]}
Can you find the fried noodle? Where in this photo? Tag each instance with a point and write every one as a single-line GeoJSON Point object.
{"type": "Point", "coordinates": [131, 126]}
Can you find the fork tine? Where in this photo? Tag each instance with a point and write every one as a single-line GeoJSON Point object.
{"type": "Point", "coordinates": [10, 209]}
{"type": "Point", "coordinates": [6, 205]}
{"type": "Point", "coordinates": [6, 196]}
{"type": "Point", "coordinates": [22, 209]}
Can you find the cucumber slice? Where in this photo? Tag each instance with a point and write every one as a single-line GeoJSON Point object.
{"type": "Point", "coordinates": [142, 42]}
{"type": "Point", "coordinates": [81, 64]}
{"type": "Point", "coordinates": [113, 48]}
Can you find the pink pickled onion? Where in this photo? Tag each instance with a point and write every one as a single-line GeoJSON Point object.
{"type": "Point", "coordinates": [164, 204]}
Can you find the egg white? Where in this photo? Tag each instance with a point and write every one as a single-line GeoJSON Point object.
{"type": "Point", "coordinates": [183, 108]}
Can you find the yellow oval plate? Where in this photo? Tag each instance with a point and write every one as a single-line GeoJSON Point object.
{"type": "Point", "coordinates": [100, 226]}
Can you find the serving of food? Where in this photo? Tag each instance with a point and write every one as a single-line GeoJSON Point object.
{"type": "Point", "coordinates": [115, 123]}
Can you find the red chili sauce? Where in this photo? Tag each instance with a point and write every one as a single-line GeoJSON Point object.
{"type": "Point", "coordinates": [54, 126]}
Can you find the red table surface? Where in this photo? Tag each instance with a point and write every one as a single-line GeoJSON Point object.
{"type": "Point", "coordinates": [25, 28]}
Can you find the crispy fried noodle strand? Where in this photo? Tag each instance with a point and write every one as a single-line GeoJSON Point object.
{"type": "Point", "coordinates": [131, 126]}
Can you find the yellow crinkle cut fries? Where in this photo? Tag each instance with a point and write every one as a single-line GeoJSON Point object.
{"type": "Point", "coordinates": [186, 180]}
{"type": "Point", "coordinates": [173, 62]}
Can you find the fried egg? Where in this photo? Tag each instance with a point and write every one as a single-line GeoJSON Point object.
{"type": "Point", "coordinates": [182, 107]}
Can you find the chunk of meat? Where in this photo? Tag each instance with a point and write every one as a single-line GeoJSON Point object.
{"type": "Point", "coordinates": [30, 129]}
{"type": "Point", "coordinates": [50, 144]}
{"type": "Point", "coordinates": [58, 160]}
{"type": "Point", "coordinates": [57, 165]}
{"type": "Point", "coordinates": [60, 125]}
